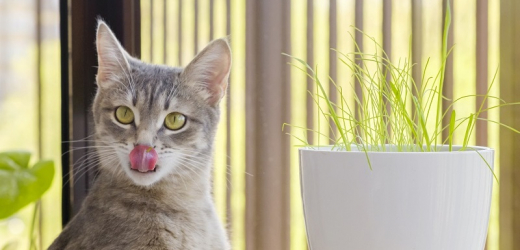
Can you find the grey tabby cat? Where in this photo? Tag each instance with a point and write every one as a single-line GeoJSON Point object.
{"type": "Point", "coordinates": [155, 127]}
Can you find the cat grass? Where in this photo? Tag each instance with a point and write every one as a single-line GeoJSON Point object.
{"type": "Point", "coordinates": [394, 108]}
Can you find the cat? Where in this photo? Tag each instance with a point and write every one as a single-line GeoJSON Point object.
{"type": "Point", "coordinates": [154, 132]}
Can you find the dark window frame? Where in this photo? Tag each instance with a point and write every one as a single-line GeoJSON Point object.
{"type": "Point", "coordinates": [78, 20]}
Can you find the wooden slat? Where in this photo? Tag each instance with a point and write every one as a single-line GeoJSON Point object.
{"type": "Point", "coordinates": [387, 45]}
{"type": "Point", "coordinates": [151, 30]}
{"type": "Point", "coordinates": [132, 28]}
{"type": "Point", "coordinates": [196, 25]}
{"type": "Point", "coordinates": [211, 21]}
{"type": "Point", "coordinates": [447, 90]}
{"type": "Point", "coordinates": [509, 142]}
{"type": "Point", "coordinates": [38, 17]}
{"type": "Point", "coordinates": [267, 107]}
{"type": "Point", "coordinates": [333, 44]}
{"type": "Point", "coordinates": [482, 68]}
{"type": "Point", "coordinates": [387, 28]}
{"type": "Point", "coordinates": [310, 60]}
{"type": "Point", "coordinates": [358, 22]}
{"type": "Point", "coordinates": [180, 32]}
{"type": "Point", "coordinates": [165, 31]}
{"type": "Point", "coordinates": [481, 130]}
{"type": "Point", "coordinates": [417, 45]}
{"type": "Point", "coordinates": [228, 17]}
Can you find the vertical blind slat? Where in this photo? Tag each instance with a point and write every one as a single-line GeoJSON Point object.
{"type": "Point", "coordinates": [211, 21]}
{"type": "Point", "coordinates": [333, 44]}
{"type": "Point", "coordinates": [151, 30]}
{"type": "Point", "coordinates": [38, 63]}
{"type": "Point", "coordinates": [310, 61]}
{"type": "Point", "coordinates": [447, 90]}
{"type": "Point", "coordinates": [179, 23]}
{"type": "Point", "coordinates": [165, 31]}
{"type": "Point", "coordinates": [482, 68]}
{"type": "Point", "coordinates": [509, 142]}
{"type": "Point", "coordinates": [267, 151]}
{"type": "Point", "coordinates": [358, 22]}
{"type": "Point", "coordinates": [417, 45]}
{"type": "Point", "coordinates": [387, 44]}
{"type": "Point", "coordinates": [196, 31]}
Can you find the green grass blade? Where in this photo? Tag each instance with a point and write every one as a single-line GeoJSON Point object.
{"type": "Point", "coordinates": [452, 129]}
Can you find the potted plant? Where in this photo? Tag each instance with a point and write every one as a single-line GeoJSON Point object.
{"type": "Point", "coordinates": [21, 185]}
{"type": "Point", "coordinates": [389, 181]}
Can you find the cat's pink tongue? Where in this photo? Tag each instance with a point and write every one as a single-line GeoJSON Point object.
{"type": "Point", "coordinates": [143, 158]}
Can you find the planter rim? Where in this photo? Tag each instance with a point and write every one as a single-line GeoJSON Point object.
{"type": "Point", "coordinates": [355, 150]}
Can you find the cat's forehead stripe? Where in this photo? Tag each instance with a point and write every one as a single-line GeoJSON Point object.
{"type": "Point", "coordinates": [153, 95]}
{"type": "Point", "coordinates": [171, 94]}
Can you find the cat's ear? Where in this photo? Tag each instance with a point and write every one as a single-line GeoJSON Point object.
{"type": "Point", "coordinates": [112, 58]}
{"type": "Point", "coordinates": [210, 71]}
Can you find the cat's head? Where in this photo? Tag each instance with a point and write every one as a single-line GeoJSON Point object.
{"type": "Point", "coordinates": [152, 121]}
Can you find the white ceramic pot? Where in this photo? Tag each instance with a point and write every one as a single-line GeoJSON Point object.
{"type": "Point", "coordinates": [409, 200]}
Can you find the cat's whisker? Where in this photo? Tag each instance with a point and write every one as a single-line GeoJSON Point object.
{"type": "Point", "coordinates": [200, 153]}
{"type": "Point", "coordinates": [190, 166]}
{"type": "Point", "coordinates": [80, 140]}
{"type": "Point", "coordinates": [183, 162]}
{"type": "Point", "coordinates": [86, 169]}
{"type": "Point", "coordinates": [87, 147]}
{"type": "Point", "coordinates": [175, 150]}
{"type": "Point", "coordinates": [194, 161]}
{"type": "Point", "coordinates": [89, 155]}
{"type": "Point", "coordinates": [83, 166]}
{"type": "Point", "coordinates": [193, 158]}
{"type": "Point", "coordinates": [86, 140]}
{"type": "Point", "coordinates": [180, 175]}
{"type": "Point", "coordinates": [95, 160]}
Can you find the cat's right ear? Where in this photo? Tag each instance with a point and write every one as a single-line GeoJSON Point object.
{"type": "Point", "coordinates": [112, 58]}
{"type": "Point", "coordinates": [209, 71]}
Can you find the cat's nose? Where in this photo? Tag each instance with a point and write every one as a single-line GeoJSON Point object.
{"type": "Point", "coordinates": [145, 136]}
{"type": "Point", "coordinates": [143, 158]}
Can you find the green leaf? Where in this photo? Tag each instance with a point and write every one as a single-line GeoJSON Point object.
{"type": "Point", "coordinates": [452, 128]}
{"type": "Point", "coordinates": [19, 184]}
{"type": "Point", "coordinates": [468, 131]}
{"type": "Point", "coordinates": [21, 158]}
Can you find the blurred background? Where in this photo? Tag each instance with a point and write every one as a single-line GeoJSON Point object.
{"type": "Point", "coordinates": [44, 106]}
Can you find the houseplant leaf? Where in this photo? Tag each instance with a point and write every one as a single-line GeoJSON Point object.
{"type": "Point", "coordinates": [21, 158]}
{"type": "Point", "coordinates": [19, 184]}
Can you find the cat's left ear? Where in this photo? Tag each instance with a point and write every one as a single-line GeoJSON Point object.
{"type": "Point", "coordinates": [210, 71]}
{"type": "Point", "coordinates": [112, 58]}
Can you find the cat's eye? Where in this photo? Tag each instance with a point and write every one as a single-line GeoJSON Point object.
{"type": "Point", "coordinates": [174, 121]}
{"type": "Point", "coordinates": [124, 115]}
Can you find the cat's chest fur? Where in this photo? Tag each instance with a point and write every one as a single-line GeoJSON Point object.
{"type": "Point", "coordinates": [116, 219]}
